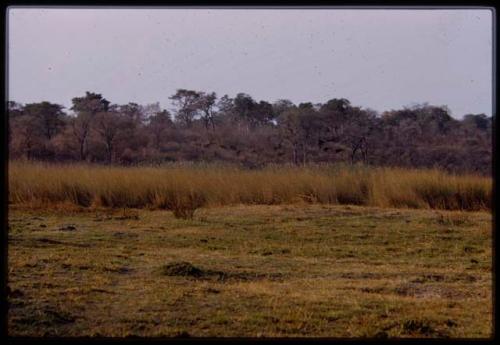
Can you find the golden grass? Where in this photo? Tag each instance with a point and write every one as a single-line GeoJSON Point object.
{"type": "Point", "coordinates": [193, 186]}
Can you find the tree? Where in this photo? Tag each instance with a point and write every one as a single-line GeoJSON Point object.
{"type": "Point", "coordinates": [226, 110]}
{"type": "Point", "coordinates": [249, 132]}
{"type": "Point", "coordinates": [26, 138]}
{"type": "Point", "coordinates": [86, 108]}
{"type": "Point", "coordinates": [34, 126]}
{"type": "Point", "coordinates": [158, 125]}
{"type": "Point", "coordinates": [290, 129]}
{"type": "Point", "coordinates": [335, 113]}
{"type": "Point", "coordinates": [263, 114]}
{"type": "Point", "coordinates": [243, 107]}
{"type": "Point", "coordinates": [14, 110]}
{"type": "Point", "coordinates": [479, 121]}
{"type": "Point", "coordinates": [150, 110]}
{"type": "Point", "coordinates": [281, 106]}
{"type": "Point", "coordinates": [187, 107]}
{"type": "Point", "coordinates": [310, 125]}
{"type": "Point", "coordinates": [358, 128]}
{"type": "Point", "coordinates": [92, 103]}
{"type": "Point", "coordinates": [80, 127]}
{"type": "Point", "coordinates": [337, 105]}
{"type": "Point", "coordinates": [48, 117]}
{"type": "Point", "coordinates": [107, 125]}
{"type": "Point", "coordinates": [133, 112]}
{"type": "Point", "coordinates": [206, 104]}
{"type": "Point", "coordinates": [253, 113]}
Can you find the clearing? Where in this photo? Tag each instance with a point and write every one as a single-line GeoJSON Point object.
{"type": "Point", "coordinates": [248, 271]}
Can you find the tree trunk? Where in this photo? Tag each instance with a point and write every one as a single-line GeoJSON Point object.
{"type": "Point", "coordinates": [304, 155]}
{"type": "Point", "coordinates": [353, 154]}
{"type": "Point", "coordinates": [82, 150]}
{"type": "Point", "coordinates": [110, 153]}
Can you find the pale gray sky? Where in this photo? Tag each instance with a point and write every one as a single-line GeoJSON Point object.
{"type": "Point", "coordinates": [379, 59]}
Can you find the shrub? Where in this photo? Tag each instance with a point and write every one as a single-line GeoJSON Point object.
{"type": "Point", "coordinates": [184, 204]}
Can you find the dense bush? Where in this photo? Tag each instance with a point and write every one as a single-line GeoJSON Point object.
{"type": "Point", "coordinates": [248, 133]}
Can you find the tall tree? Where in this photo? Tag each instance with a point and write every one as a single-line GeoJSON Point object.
{"type": "Point", "coordinates": [158, 126]}
{"type": "Point", "coordinates": [187, 107]}
{"type": "Point", "coordinates": [48, 116]}
{"type": "Point", "coordinates": [290, 129]}
{"type": "Point", "coordinates": [206, 103]}
{"type": "Point", "coordinates": [86, 108]}
{"type": "Point", "coordinates": [107, 126]}
{"type": "Point", "coordinates": [92, 103]}
{"type": "Point", "coordinates": [26, 138]}
{"type": "Point", "coordinates": [133, 112]}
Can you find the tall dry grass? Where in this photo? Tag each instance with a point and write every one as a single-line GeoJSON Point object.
{"type": "Point", "coordinates": [178, 185]}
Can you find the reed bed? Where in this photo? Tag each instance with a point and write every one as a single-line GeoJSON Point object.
{"type": "Point", "coordinates": [190, 185]}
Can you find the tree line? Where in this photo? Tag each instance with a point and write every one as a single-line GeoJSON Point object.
{"type": "Point", "coordinates": [242, 130]}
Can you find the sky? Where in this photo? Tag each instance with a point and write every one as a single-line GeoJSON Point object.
{"type": "Point", "coordinates": [379, 59]}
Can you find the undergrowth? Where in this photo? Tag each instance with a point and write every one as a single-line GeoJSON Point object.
{"type": "Point", "coordinates": [182, 189]}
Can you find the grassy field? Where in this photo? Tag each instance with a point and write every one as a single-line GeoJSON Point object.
{"type": "Point", "coordinates": [182, 188]}
{"type": "Point", "coordinates": [246, 270]}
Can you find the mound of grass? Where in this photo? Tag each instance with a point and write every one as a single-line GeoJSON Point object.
{"type": "Point", "coordinates": [453, 219]}
{"type": "Point", "coordinates": [184, 204]}
{"type": "Point", "coordinates": [184, 269]}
